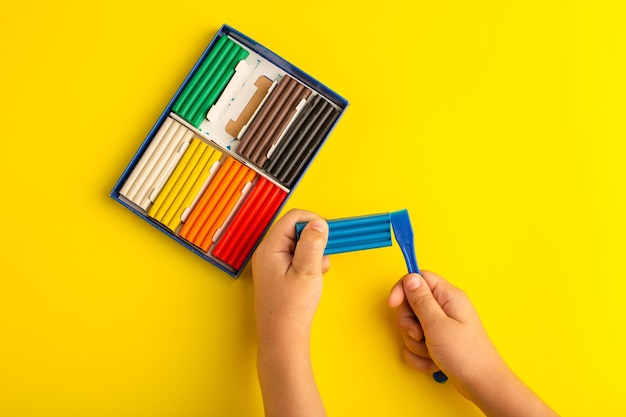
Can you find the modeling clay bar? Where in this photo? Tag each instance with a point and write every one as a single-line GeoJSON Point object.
{"type": "Point", "coordinates": [249, 223]}
{"type": "Point", "coordinates": [301, 140]}
{"type": "Point", "coordinates": [156, 163]}
{"type": "Point", "coordinates": [216, 203]}
{"type": "Point", "coordinates": [228, 149]}
{"type": "Point", "coordinates": [268, 125]}
{"type": "Point", "coordinates": [192, 172]}
{"type": "Point", "coordinates": [355, 233]}
{"type": "Point", "coordinates": [206, 85]}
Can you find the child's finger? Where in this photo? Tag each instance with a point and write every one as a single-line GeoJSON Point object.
{"type": "Point", "coordinates": [283, 233]}
{"type": "Point", "coordinates": [416, 347]}
{"type": "Point", "coordinates": [396, 295]}
{"type": "Point", "coordinates": [419, 363]}
{"type": "Point", "coordinates": [455, 302]}
{"type": "Point", "coordinates": [309, 253]}
{"type": "Point", "coordinates": [408, 323]}
{"type": "Point", "coordinates": [325, 264]}
{"type": "Point", "coordinates": [422, 301]}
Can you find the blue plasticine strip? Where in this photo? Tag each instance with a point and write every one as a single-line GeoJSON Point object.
{"type": "Point", "coordinates": [367, 241]}
{"type": "Point", "coordinates": [356, 233]}
{"type": "Point", "coordinates": [362, 231]}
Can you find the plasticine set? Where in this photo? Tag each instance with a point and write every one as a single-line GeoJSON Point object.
{"type": "Point", "coordinates": [229, 149]}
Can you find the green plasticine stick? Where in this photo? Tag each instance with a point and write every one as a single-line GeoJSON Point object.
{"type": "Point", "coordinates": [209, 95]}
{"type": "Point", "coordinates": [200, 74]}
{"type": "Point", "coordinates": [217, 61]}
{"type": "Point", "coordinates": [217, 90]}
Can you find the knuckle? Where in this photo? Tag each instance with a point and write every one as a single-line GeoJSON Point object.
{"type": "Point", "coordinates": [419, 301]}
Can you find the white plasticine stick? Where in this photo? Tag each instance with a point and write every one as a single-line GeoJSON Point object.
{"type": "Point", "coordinates": [170, 165]}
{"type": "Point", "coordinates": [152, 195]}
{"type": "Point", "coordinates": [160, 165]}
{"type": "Point", "coordinates": [150, 160]}
{"type": "Point", "coordinates": [146, 155]}
{"type": "Point", "coordinates": [142, 186]}
{"type": "Point", "coordinates": [157, 190]}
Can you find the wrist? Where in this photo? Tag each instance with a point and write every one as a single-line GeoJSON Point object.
{"type": "Point", "coordinates": [282, 333]}
{"type": "Point", "coordinates": [487, 380]}
{"type": "Point", "coordinates": [283, 353]}
{"type": "Point", "coordinates": [286, 374]}
{"type": "Point", "coordinates": [478, 376]}
{"type": "Point", "coordinates": [501, 392]}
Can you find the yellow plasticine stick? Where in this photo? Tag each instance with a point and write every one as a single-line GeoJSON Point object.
{"type": "Point", "coordinates": [169, 166]}
{"type": "Point", "coordinates": [176, 219]}
{"type": "Point", "coordinates": [169, 191]}
{"type": "Point", "coordinates": [204, 152]}
{"type": "Point", "coordinates": [198, 214]}
{"type": "Point", "coordinates": [187, 177]}
{"type": "Point", "coordinates": [224, 206]}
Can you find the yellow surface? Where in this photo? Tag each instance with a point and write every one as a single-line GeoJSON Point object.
{"type": "Point", "coordinates": [498, 124]}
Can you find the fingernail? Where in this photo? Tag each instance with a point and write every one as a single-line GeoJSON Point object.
{"type": "Point", "coordinates": [413, 283]}
{"type": "Point", "coordinates": [318, 225]}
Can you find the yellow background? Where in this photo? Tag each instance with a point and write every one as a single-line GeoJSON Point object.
{"type": "Point", "coordinates": [498, 124]}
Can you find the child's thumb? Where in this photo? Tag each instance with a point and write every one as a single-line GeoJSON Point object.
{"type": "Point", "coordinates": [307, 258]}
{"type": "Point", "coordinates": [422, 301]}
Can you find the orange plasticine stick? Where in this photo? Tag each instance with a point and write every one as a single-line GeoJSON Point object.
{"type": "Point", "coordinates": [198, 215]}
{"type": "Point", "coordinates": [216, 203]}
{"type": "Point", "coordinates": [224, 206]}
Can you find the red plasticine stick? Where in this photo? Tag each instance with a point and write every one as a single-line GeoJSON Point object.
{"type": "Point", "coordinates": [225, 246]}
{"type": "Point", "coordinates": [249, 223]}
{"type": "Point", "coordinates": [233, 235]}
{"type": "Point", "coordinates": [254, 232]}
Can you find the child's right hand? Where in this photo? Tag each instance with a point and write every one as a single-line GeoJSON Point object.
{"type": "Point", "coordinates": [441, 330]}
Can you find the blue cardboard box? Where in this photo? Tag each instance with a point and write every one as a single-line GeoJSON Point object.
{"type": "Point", "coordinates": [229, 149]}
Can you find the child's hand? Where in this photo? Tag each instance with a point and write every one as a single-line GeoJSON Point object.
{"type": "Point", "coordinates": [287, 288]}
{"type": "Point", "coordinates": [441, 330]}
{"type": "Point", "coordinates": [288, 277]}
{"type": "Point", "coordinates": [449, 334]}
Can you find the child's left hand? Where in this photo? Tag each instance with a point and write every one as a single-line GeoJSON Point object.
{"type": "Point", "coordinates": [288, 277]}
{"type": "Point", "coordinates": [287, 289]}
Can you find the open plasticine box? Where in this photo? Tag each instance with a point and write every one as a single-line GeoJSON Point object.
{"type": "Point", "coordinates": [229, 149]}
